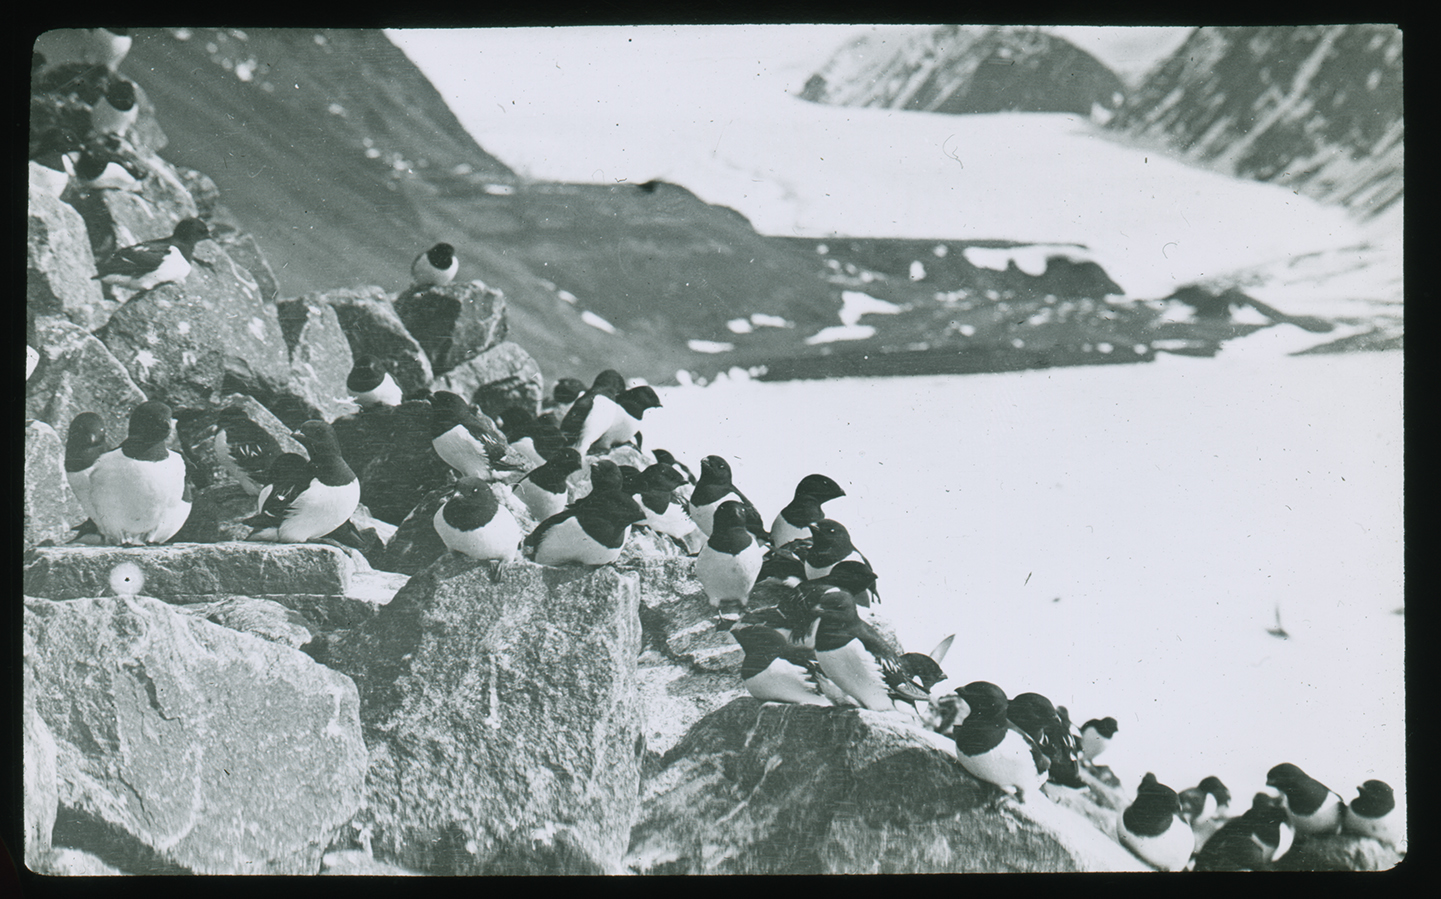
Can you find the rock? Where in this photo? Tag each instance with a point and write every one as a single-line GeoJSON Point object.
{"type": "Point", "coordinates": [354, 862]}
{"type": "Point", "coordinates": [675, 696]}
{"type": "Point", "coordinates": [42, 793]}
{"type": "Point", "coordinates": [59, 265]}
{"type": "Point", "coordinates": [77, 373]}
{"type": "Point", "coordinates": [214, 751]}
{"type": "Point", "coordinates": [503, 719]}
{"type": "Point", "coordinates": [503, 376]}
{"type": "Point", "coordinates": [333, 587]}
{"type": "Point", "coordinates": [453, 323]}
{"type": "Point", "coordinates": [388, 448]}
{"type": "Point", "coordinates": [1338, 852]}
{"type": "Point", "coordinates": [226, 230]}
{"type": "Point", "coordinates": [772, 788]}
{"type": "Point", "coordinates": [320, 358]}
{"type": "Point", "coordinates": [69, 862]}
{"type": "Point", "coordinates": [261, 618]}
{"type": "Point", "coordinates": [372, 326]}
{"type": "Point", "coordinates": [197, 431]}
{"type": "Point", "coordinates": [679, 618]}
{"type": "Point", "coordinates": [121, 218]}
{"type": "Point", "coordinates": [50, 506]}
{"type": "Point", "coordinates": [184, 343]}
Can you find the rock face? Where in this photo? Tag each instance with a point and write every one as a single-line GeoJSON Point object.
{"type": "Point", "coordinates": [50, 506]}
{"type": "Point", "coordinates": [965, 69]}
{"type": "Point", "coordinates": [373, 328]}
{"type": "Point", "coordinates": [320, 358]}
{"type": "Point", "coordinates": [42, 796]}
{"type": "Point", "coordinates": [1317, 108]}
{"type": "Point", "coordinates": [503, 376]}
{"type": "Point", "coordinates": [77, 373]}
{"type": "Point", "coordinates": [192, 746]}
{"type": "Point", "coordinates": [503, 719]}
{"type": "Point", "coordinates": [59, 264]}
{"type": "Point", "coordinates": [453, 323]}
{"type": "Point", "coordinates": [181, 341]}
{"type": "Point", "coordinates": [389, 449]}
{"type": "Point", "coordinates": [779, 789]}
{"type": "Point", "coordinates": [1338, 852]}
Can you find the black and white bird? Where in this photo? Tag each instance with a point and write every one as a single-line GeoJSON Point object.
{"type": "Point", "coordinates": [830, 545]}
{"type": "Point", "coordinates": [1037, 716]}
{"type": "Point", "coordinates": [592, 530]}
{"type": "Point", "coordinates": [1314, 808]}
{"type": "Point", "coordinates": [1206, 801]}
{"type": "Point", "coordinates": [594, 412]}
{"type": "Point", "coordinates": [84, 445]}
{"type": "Point", "coordinates": [468, 441]}
{"type": "Point", "coordinates": [989, 747]}
{"type": "Point", "coordinates": [101, 166]}
{"type": "Point", "coordinates": [664, 512]}
{"type": "Point", "coordinates": [1252, 842]}
{"type": "Point", "coordinates": [1152, 827]}
{"type": "Point", "coordinates": [244, 449]}
{"type": "Point", "coordinates": [625, 426]}
{"type": "Point", "coordinates": [138, 491]}
{"type": "Point", "coordinates": [305, 502]}
{"type": "Point", "coordinates": [115, 112]}
{"type": "Point", "coordinates": [472, 522]}
{"type": "Point", "coordinates": [370, 383]}
{"type": "Point", "coordinates": [730, 561]}
{"type": "Point", "coordinates": [436, 267]}
{"type": "Point", "coordinates": [51, 163]}
{"type": "Point", "coordinates": [925, 667]}
{"type": "Point", "coordinates": [776, 670]}
{"type": "Point", "coordinates": [544, 489]}
{"type": "Point", "coordinates": [854, 655]}
{"type": "Point", "coordinates": [1096, 735]}
{"type": "Point", "coordinates": [144, 266]}
{"type": "Point", "coordinates": [794, 521]}
{"type": "Point", "coordinates": [715, 487]}
{"type": "Point", "coordinates": [562, 396]}
{"type": "Point", "coordinates": [1373, 813]}
{"type": "Point", "coordinates": [535, 438]}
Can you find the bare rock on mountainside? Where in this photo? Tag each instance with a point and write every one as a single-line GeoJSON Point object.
{"type": "Point", "coordinates": [453, 323]}
{"type": "Point", "coordinates": [184, 746]}
{"type": "Point", "coordinates": [500, 377]}
{"type": "Point", "coordinates": [77, 373]}
{"type": "Point", "coordinates": [60, 263]}
{"type": "Point", "coordinates": [373, 328]}
{"type": "Point", "coordinates": [503, 719]}
{"type": "Point", "coordinates": [50, 506]}
{"type": "Point", "coordinates": [1316, 107]}
{"type": "Point", "coordinates": [966, 69]}
{"type": "Point", "coordinates": [770, 788]}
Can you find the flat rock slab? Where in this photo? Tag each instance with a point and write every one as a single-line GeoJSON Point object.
{"type": "Point", "coordinates": [192, 747]}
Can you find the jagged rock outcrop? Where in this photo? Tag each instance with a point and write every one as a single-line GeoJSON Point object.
{"type": "Point", "coordinates": [261, 618]}
{"type": "Point", "coordinates": [1314, 107]}
{"type": "Point", "coordinates": [50, 506]}
{"type": "Point", "coordinates": [503, 719]}
{"type": "Point", "coordinates": [320, 359]}
{"type": "Point", "coordinates": [168, 726]}
{"type": "Point", "coordinates": [77, 373]}
{"type": "Point", "coordinates": [767, 788]}
{"type": "Point", "coordinates": [180, 342]}
{"type": "Point", "coordinates": [332, 587]}
{"type": "Point", "coordinates": [60, 264]}
{"type": "Point", "coordinates": [121, 218]}
{"type": "Point", "coordinates": [966, 69]}
{"type": "Point", "coordinates": [502, 376]}
{"type": "Point", "coordinates": [373, 328]}
{"type": "Point", "coordinates": [453, 323]}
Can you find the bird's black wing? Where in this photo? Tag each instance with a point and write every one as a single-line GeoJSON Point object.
{"type": "Point", "coordinates": [135, 261]}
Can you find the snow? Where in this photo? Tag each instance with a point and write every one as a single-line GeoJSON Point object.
{"type": "Point", "coordinates": [710, 346]}
{"type": "Point", "coordinates": [1030, 259]}
{"type": "Point", "coordinates": [595, 321]}
{"type": "Point", "coordinates": [855, 304]}
{"type": "Point", "coordinates": [1119, 538]}
{"type": "Point", "coordinates": [739, 326]}
{"type": "Point", "coordinates": [761, 320]}
{"type": "Point", "coordinates": [841, 332]}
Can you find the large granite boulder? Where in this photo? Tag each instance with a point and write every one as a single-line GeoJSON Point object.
{"type": "Point", "coordinates": [183, 343]}
{"type": "Point", "coordinates": [77, 373]}
{"type": "Point", "coordinates": [41, 789]}
{"type": "Point", "coordinates": [503, 376]}
{"type": "Point", "coordinates": [320, 358]}
{"type": "Point", "coordinates": [679, 618]}
{"type": "Point", "coordinates": [59, 264]}
{"type": "Point", "coordinates": [503, 719]}
{"type": "Point", "coordinates": [453, 323]}
{"type": "Point", "coordinates": [261, 618]}
{"type": "Point", "coordinates": [373, 328]}
{"type": "Point", "coordinates": [389, 449]}
{"type": "Point", "coordinates": [188, 745]}
{"type": "Point", "coordinates": [331, 586]}
{"type": "Point", "coordinates": [770, 788]}
{"type": "Point", "coordinates": [50, 507]}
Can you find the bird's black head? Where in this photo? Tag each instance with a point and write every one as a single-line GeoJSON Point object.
{"type": "Point", "coordinates": [441, 255]}
{"type": "Point", "coordinates": [631, 480]}
{"type": "Point", "coordinates": [1376, 799]}
{"type": "Point", "coordinates": [566, 459]}
{"type": "Point", "coordinates": [1212, 784]}
{"type": "Point", "coordinates": [1285, 775]}
{"type": "Point", "coordinates": [1106, 727]}
{"type": "Point", "coordinates": [190, 231]}
{"type": "Point", "coordinates": [987, 701]}
{"type": "Point", "coordinates": [661, 478]}
{"type": "Point", "coordinates": [820, 487]}
{"type": "Point", "coordinates": [642, 397]}
{"type": "Point", "coordinates": [318, 439]}
{"type": "Point", "coordinates": [832, 603]}
{"type": "Point", "coordinates": [1377, 789]}
{"type": "Point", "coordinates": [120, 94]}
{"type": "Point", "coordinates": [84, 442]}
{"type": "Point", "coordinates": [150, 422]}
{"type": "Point", "coordinates": [716, 467]}
{"type": "Point", "coordinates": [606, 476]}
{"type": "Point", "coordinates": [730, 514]}
{"type": "Point", "coordinates": [851, 575]}
{"type": "Point", "coordinates": [449, 406]}
{"type": "Point", "coordinates": [90, 166]}
{"type": "Point", "coordinates": [567, 390]}
{"type": "Point", "coordinates": [609, 382]}
{"type": "Point", "coordinates": [923, 668]}
{"type": "Point", "coordinates": [829, 533]}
